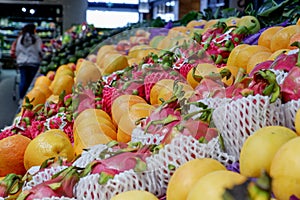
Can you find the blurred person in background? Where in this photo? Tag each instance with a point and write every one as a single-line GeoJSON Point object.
{"type": "Point", "coordinates": [28, 56]}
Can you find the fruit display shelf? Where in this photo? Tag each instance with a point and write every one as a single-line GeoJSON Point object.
{"type": "Point", "coordinates": [146, 101]}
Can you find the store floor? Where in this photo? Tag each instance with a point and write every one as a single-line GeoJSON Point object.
{"type": "Point", "coordinates": [9, 102]}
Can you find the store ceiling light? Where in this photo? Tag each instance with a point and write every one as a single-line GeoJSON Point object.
{"type": "Point", "coordinates": [31, 11]}
{"type": "Point", "coordinates": [23, 9]}
{"type": "Point", "coordinates": [170, 3]}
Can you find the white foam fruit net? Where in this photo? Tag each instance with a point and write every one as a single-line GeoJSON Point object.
{"type": "Point", "coordinates": [138, 135]}
{"type": "Point", "coordinates": [238, 119]}
{"type": "Point", "coordinates": [156, 178]}
{"type": "Point", "coordinates": [280, 75]}
{"type": "Point", "coordinates": [289, 109]}
{"type": "Point", "coordinates": [42, 176]}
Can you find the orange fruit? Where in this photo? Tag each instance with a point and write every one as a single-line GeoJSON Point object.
{"type": "Point", "coordinates": [62, 83]}
{"type": "Point", "coordinates": [86, 136]}
{"type": "Point", "coordinates": [36, 97]}
{"type": "Point", "coordinates": [265, 38]}
{"type": "Point", "coordinates": [281, 39]}
{"type": "Point", "coordinates": [113, 62]}
{"type": "Point", "coordinates": [53, 99]}
{"type": "Point", "coordinates": [256, 58]}
{"type": "Point", "coordinates": [233, 56]}
{"type": "Point", "coordinates": [42, 80]}
{"type": "Point", "coordinates": [141, 51]}
{"type": "Point", "coordinates": [78, 64]}
{"type": "Point", "coordinates": [12, 151]}
{"type": "Point", "coordinates": [44, 89]}
{"type": "Point", "coordinates": [200, 71]}
{"type": "Point", "coordinates": [134, 194]}
{"type": "Point", "coordinates": [298, 22]}
{"type": "Point", "coordinates": [95, 119]}
{"type": "Point", "coordinates": [274, 55]}
{"type": "Point", "coordinates": [155, 90]}
{"type": "Point", "coordinates": [210, 23]}
{"type": "Point", "coordinates": [141, 109]}
{"type": "Point", "coordinates": [51, 143]}
{"type": "Point", "coordinates": [88, 72]}
{"type": "Point", "coordinates": [51, 75]}
{"type": "Point", "coordinates": [122, 104]}
{"type": "Point", "coordinates": [163, 89]}
{"type": "Point", "coordinates": [186, 175]}
{"type": "Point", "coordinates": [128, 121]}
{"type": "Point", "coordinates": [194, 23]}
{"type": "Point", "coordinates": [65, 69]}
{"type": "Point", "coordinates": [91, 114]}
{"type": "Point", "coordinates": [102, 127]}
{"type": "Point", "coordinates": [178, 31]}
{"type": "Point", "coordinates": [104, 50]}
{"type": "Point", "coordinates": [225, 80]}
{"type": "Point", "coordinates": [294, 38]}
{"type": "Point", "coordinates": [241, 57]}
{"type": "Point", "coordinates": [297, 122]}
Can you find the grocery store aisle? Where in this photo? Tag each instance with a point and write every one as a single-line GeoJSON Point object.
{"type": "Point", "coordinates": [8, 99]}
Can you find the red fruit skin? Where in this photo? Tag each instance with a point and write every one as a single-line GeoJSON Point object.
{"type": "Point", "coordinates": [41, 191]}
{"type": "Point", "coordinates": [284, 62]}
{"type": "Point", "coordinates": [208, 88]}
{"type": "Point", "coordinates": [134, 88]}
{"type": "Point", "coordinates": [60, 186]}
{"type": "Point", "coordinates": [290, 88]}
{"type": "Point", "coordinates": [119, 163]}
{"type": "Point", "coordinates": [109, 94]}
{"type": "Point", "coordinates": [184, 70]}
{"type": "Point", "coordinates": [263, 65]}
{"type": "Point", "coordinates": [85, 104]}
{"type": "Point", "coordinates": [103, 168]}
{"type": "Point", "coordinates": [195, 128]}
{"type": "Point", "coordinates": [161, 115]}
{"type": "Point", "coordinates": [211, 133]}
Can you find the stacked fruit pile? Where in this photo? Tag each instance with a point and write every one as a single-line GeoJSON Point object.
{"type": "Point", "coordinates": [192, 113]}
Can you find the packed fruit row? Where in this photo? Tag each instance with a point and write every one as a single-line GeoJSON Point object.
{"type": "Point", "coordinates": [206, 110]}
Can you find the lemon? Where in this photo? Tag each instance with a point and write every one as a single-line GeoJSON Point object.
{"type": "Point", "coordinates": [51, 143]}
{"type": "Point", "coordinates": [259, 149]}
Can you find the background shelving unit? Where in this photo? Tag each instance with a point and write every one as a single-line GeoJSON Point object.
{"type": "Point", "coordinates": [47, 18]}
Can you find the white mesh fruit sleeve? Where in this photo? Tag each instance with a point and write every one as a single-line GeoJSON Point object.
{"type": "Point", "coordinates": [238, 119]}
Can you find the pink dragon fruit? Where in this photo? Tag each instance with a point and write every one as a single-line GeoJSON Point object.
{"type": "Point", "coordinates": [60, 185]}
{"type": "Point", "coordinates": [161, 121]}
{"type": "Point", "coordinates": [10, 185]}
{"type": "Point", "coordinates": [260, 66]}
{"type": "Point", "coordinates": [198, 128]}
{"type": "Point", "coordinates": [120, 161]}
{"type": "Point", "coordinates": [209, 87]}
{"type": "Point", "coordinates": [264, 83]}
{"type": "Point", "coordinates": [284, 62]}
{"type": "Point", "coordinates": [290, 88]}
